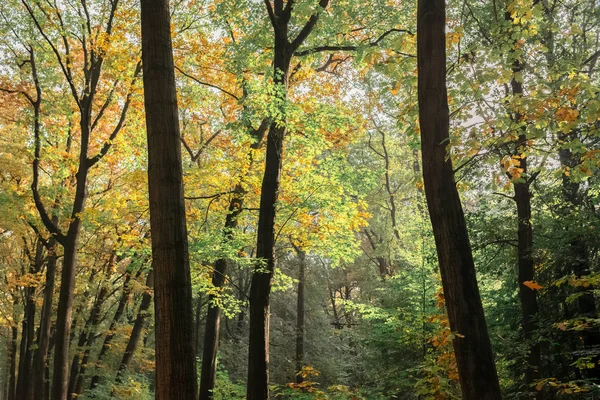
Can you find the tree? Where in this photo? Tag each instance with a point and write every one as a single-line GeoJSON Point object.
{"type": "Point", "coordinates": [175, 363]}
{"type": "Point", "coordinates": [472, 346]}
{"type": "Point", "coordinates": [258, 358]}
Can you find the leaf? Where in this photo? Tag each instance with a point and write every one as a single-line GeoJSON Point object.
{"type": "Point", "coordinates": [533, 285]}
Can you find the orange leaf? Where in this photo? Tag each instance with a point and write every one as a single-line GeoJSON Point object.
{"type": "Point", "coordinates": [533, 285]}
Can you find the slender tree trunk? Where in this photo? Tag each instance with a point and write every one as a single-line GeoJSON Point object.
{"type": "Point", "coordinates": [64, 319]}
{"type": "Point", "coordinates": [472, 348]}
{"type": "Point", "coordinates": [258, 358]}
{"type": "Point", "coordinates": [27, 336]}
{"type": "Point", "coordinates": [382, 263]}
{"type": "Point", "coordinates": [86, 339]}
{"type": "Point", "coordinates": [12, 380]}
{"type": "Point", "coordinates": [175, 359]}
{"type": "Point", "coordinates": [213, 318]}
{"type": "Point", "coordinates": [125, 294]}
{"type": "Point", "coordinates": [138, 328]}
{"type": "Point", "coordinates": [522, 199]}
{"type": "Point", "coordinates": [40, 361]}
{"type": "Point", "coordinates": [260, 290]}
{"type": "Point", "coordinates": [300, 315]}
{"type": "Point", "coordinates": [24, 389]}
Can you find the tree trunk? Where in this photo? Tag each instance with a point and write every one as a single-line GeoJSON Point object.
{"type": "Point", "coordinates": [24, 389]}
{"type": "Point", "coordinates": [472, 348]}
{"type": "Point", "coordinates": [113, 325]}
{"type": "Point", "coordinates": [64, 319]}
{"type": "Point", "coordinates": [175, 360]}
{"type": "Point", "coordinates": [258, 356]}
{"type": "Point", "coordinates": [527, 296]}
{"type": "Point", "coordinates": [12, 380]}
{"type": "Point", "coordinates": [300, 316]}
{"type": "Point", "coordinates": [86, 339]}
{"type": "Point", "coordinates": [138, 327]}
{"type": "Point", "coordinates": [27, 335]}
{"type": "Point", "coordinates": [213, 318]}
{"type": "Point", "coordinates": [40, 360]}
{"type": "Point", "coordinates": [260, 290]}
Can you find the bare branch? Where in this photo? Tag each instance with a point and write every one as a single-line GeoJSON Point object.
{"type": "Point", "coordinates": [271, 14]}
{"type": "Point", "coordinates": [320, 49]}
{"type": "Point", "coordinates": [210, 196]}
{"type": "Point", "coordinates": [205, 83]}
{"type": "Point", "coordinates": [63, 67]}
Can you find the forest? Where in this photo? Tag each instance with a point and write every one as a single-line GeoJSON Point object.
{"type": "Point", "coordinates": [299, 199]}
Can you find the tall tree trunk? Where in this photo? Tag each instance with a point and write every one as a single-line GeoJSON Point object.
{"type": "Point", "coordinates": [522, 197]}
{"type": "Point", "coordinates": [474, 357]}
{"type": "Point", "coordinates": [40, 360]}
{"type": "Point", "coordinates": [211, 335]}
{"type": "Point", "coordinates": [260, 290]}
{"type": "Point", "coordinates": [258, 358]}
{"type": "Point", "coordinates": [175, 359]}
{"type": "Point", "coordinates": [138, 328]}
{"type": "Point", "coordinates": [64, 319]}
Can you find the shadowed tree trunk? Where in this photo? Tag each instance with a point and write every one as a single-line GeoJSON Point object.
{"type": "Point", "coordinates": [522, 198]}
{"type": "Point", "coordinates": [213, 318]}
{"type": "Point", "coordinates": [12, 380]}
{"type": "Point", "coordinates": [24, 390]}
{"type": "Point", "coordinates": [40, 361]}
{"type": "Point", "coordinates": [88, 336]}
{"type": "Point", "coordinates": [258, 354]}
{"type": "Point", "coordinates": [125, 294]}
{"type": "Point", "coordinates": [472, 348]}
{"type": "Point", "coordinates": [175, 359]}
{"type": "Point", "coordinates": [300, 314]}
{"type": "Point", "coordinates": [138, 328]}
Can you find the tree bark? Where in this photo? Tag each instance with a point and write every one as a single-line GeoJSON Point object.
{"type": "Point", "coordinates": [474, 357]}
{"type": "Point", "coordinates": [175, 360]}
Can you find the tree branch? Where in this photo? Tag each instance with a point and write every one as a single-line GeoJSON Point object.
{"type": "Point", "coordinates": [320, 49]}
{"type": "Point", "coordinates": [271, 14]}
{"type": "Point", "coordinates": [108, 144]}
{"type": "Point", "coordinates": [308, 27]}
{"type": "Point", "coordinates": [205, 83]}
